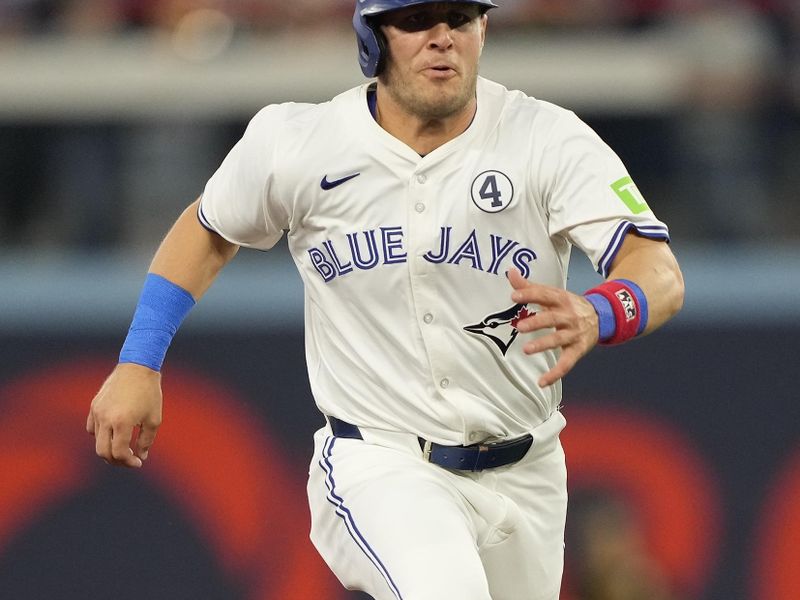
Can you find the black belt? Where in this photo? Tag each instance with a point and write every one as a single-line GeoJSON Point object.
{"type": "Point", "coordinates": [476, 457]}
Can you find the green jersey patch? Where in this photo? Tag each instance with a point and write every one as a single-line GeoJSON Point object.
{"type": "Point", "coordinates": [627, 191]}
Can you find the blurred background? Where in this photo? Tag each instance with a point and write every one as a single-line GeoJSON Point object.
{"type": "Point", "coordinates": [683, 449]}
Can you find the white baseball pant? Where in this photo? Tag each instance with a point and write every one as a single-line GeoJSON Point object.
{"type": "Point", "coordinates": [390, 524]}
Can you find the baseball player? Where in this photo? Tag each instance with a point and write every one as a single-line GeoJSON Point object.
{"type": "Point", "coordinates": [431, 214]}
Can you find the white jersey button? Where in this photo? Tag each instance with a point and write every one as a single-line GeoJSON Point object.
{"type": "Point", "coordinates": [444, 383]}
{"type": "Point", "coordinates": [428, 318]}
{"type": "Point", "coordinates": [420, 207]}
{"type": "Point", "coordinates": [422, 178]}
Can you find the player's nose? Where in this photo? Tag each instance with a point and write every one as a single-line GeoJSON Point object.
{"type": "Point", "coordinates": [440, 36]}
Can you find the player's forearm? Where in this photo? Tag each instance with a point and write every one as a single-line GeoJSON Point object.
{"type": "Point", "coordinates": [191, 256]}
{"type": "Point", "coordinates": [186, 264]}
{"type": "Point", "coordinates": [652, 266]}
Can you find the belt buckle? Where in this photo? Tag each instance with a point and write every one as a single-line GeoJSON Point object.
{"type": "Point", "coordinates": [480, 458]}
{"type": "Point", "coordinates": [426, 451]}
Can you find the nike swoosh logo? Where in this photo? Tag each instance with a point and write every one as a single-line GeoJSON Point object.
{"type": "Point", "coordinates": [329, 185]}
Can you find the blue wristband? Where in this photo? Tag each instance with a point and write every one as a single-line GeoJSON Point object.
{"type": "Point", "coordinates": [605, 315]}
{"type": "Point", "coordinates": [161, 309]}
{"type": "Point", "coordinates": [642, 299]}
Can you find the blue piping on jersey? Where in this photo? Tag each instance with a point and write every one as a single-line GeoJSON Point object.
{"type": "Point", "coordinates": [653, 232]}
{"type": "Point", "coordinates": [207, 226]}
{"type": "Point", "coordinates": [344, 513]}
{"type": "Point", "coordinates": [372, 102]}
{"type": "Point", "coordinates": [203, 220]}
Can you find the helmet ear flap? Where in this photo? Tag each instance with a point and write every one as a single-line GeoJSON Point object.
{"type": "Point", "coordinates": [371, 46]}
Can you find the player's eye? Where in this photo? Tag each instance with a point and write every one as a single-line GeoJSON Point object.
{"type": "Point", "coordinates": [459, 19]}
{"type": "Point", "coordinates": [422, 20]}
{"type": "Point", "coordinates": [417, 21]}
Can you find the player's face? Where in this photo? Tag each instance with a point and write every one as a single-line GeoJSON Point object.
{"type": "Point", "coordinates": [432, 65]}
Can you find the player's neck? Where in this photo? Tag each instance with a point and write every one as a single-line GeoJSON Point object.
{"type": "Point", "coordinates": [421, 134]}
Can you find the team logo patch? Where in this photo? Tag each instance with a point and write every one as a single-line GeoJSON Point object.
{"type": "Point", "coordinates": [492, 191]}
{"type": "Point", "coordinates": [500, 328]}
{"type": "Point", "coordinates": [628, 304]}
{"type": "Point", "coordinates": [626, 190]}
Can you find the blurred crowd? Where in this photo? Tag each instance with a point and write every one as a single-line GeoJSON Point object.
{"type": "Point", "coordinates": [38, 16]}
{"type": "Point", "coordinates": [608, 558]}
{"type": "Point", "coordinates": [722, 168]}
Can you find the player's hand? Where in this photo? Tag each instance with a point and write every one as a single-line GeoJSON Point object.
{"type": "Point", "coordinates": [129, 402]}
{"type": "Point", "coordinates": [572, 318]}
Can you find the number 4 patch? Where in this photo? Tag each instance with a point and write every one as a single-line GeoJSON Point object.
{"type": "Point", "coordinates": [492, 191]}
{"type": "Point", "coordinates": [630, 195]}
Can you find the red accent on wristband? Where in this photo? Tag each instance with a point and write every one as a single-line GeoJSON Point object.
{"type": "Point", "coordinates": [625, 305]}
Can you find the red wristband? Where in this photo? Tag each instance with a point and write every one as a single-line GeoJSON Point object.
{"type": "Point", "coordinates": [626, 306]}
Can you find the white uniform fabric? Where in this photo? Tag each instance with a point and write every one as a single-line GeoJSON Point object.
{"type": "Point", "coordinates": [410, 329]}
{"type": "Point", "coordinates": [402, 529]}
{"type": "Point", "coordinates": [397, 261]}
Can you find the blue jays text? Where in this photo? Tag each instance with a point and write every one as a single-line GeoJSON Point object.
{"type": "Point", "coordinates": [385, 246]}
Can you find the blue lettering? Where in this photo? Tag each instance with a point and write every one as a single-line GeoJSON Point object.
{"type": "Point", "coordinates": [323, 267]}
{"type": "Point", "coordinates": [365, 252]}
{"type": "Point", "coordinates": [392, 238]}
{"type": "Point", "coordinates": [522, 259]}
{"type": "Point", "coordinates": [489, 190]}
{"type": "Point", "coordinates": [341, 269]}
{"type": "Point", "coordinates": [358, 259]}
{"type": "Point", "coordinates": [499, 252]}
{"type": "Point", "coordinates": [468, 250]}
{"type": "Point", "coordinates": [444, 247]}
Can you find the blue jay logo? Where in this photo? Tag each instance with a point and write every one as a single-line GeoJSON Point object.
{"type": "Point", "coordinates": [501, 327]}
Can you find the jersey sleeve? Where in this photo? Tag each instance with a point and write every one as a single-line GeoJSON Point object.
{"type": "Point", "coordinates": [591, 199]}
{"type": "Point", "coordinates": [239, 202]}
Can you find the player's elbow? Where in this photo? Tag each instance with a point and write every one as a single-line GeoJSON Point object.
{"type": "Point", "coordinates": [680, 291]}
{"type": "Point", "coordinates": [673, 277]}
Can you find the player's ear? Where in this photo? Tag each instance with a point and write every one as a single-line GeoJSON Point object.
{"type": "Point", "coordinates": [484, 24]}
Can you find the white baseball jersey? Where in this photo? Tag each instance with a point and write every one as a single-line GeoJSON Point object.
{"type": "Point", "coordinates": [409, 321]}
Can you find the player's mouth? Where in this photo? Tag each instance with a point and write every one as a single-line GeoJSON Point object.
{"type": "Point", "coordinates": [440, 71]}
